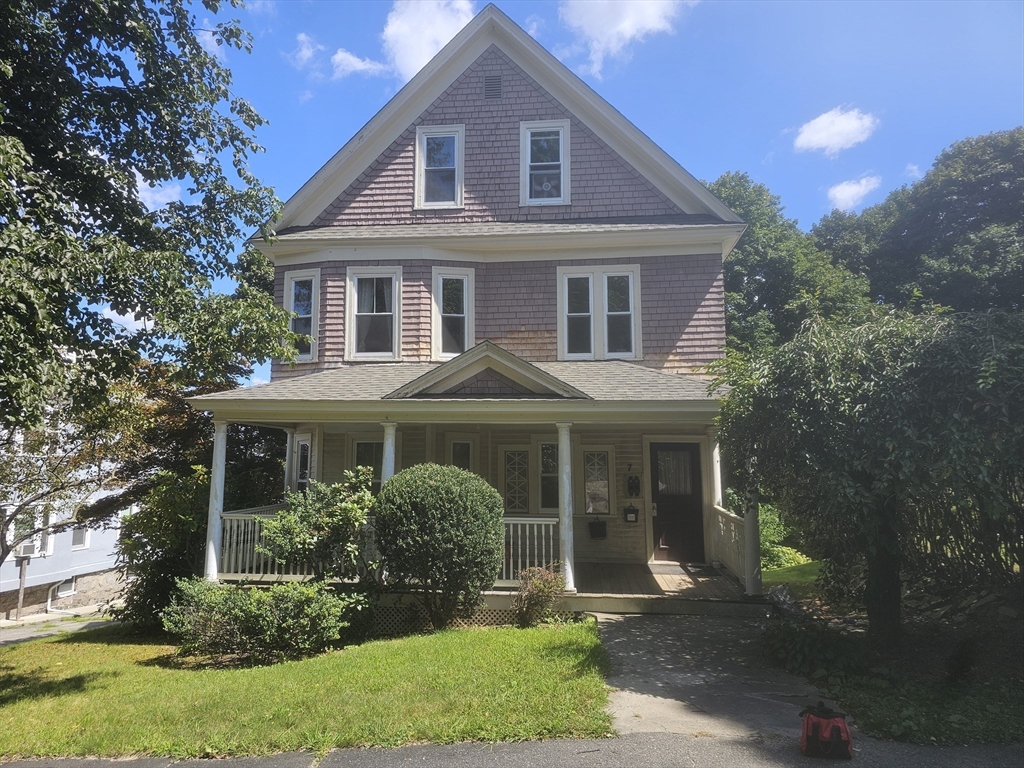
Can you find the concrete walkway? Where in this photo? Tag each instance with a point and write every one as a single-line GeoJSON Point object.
{"type": "Point", "coordinates": [689, 691]}
{"type": "Point", "coordinates": [45, 624]}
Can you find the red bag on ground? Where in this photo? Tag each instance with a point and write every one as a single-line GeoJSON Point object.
{"type": "Point", "coordinates": [825, 733]}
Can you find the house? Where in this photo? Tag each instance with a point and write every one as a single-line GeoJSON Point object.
{"type": "Point", "coordinates": [73, 568]}
{"type": "Point", "coordinates": [501, 272]}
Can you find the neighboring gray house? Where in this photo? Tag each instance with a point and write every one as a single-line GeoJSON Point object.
{"type": "Point", "coordinates": [66, 570]}
{"type": "Point", "coordinates": [501, 272]}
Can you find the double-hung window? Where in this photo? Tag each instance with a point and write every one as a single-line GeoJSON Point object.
{"type": "Point", "coordinates": [439, 166]}
{"type": "Point", "coordinates": [453, 306]}
{"type": "Point", "coordinates": [302, 301]}
{"type": "Point", "coordinates": [370, 453]}
{"type": "Point", "coordinates": [544, 177]}
{"type": "Point", "coordinates": [599, 312]}
{"type": "Point", "coordinates": [548, 477]}
{"type": "Point", "coordinates": [373, 318]}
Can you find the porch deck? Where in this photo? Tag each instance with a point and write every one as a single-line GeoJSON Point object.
{"type": "Point", "coordinates": [692, 582]}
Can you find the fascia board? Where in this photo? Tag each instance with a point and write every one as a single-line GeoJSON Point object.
{"type": "Point", "coordinates": [462, 411]}
{"type": "Point", "coordinates": [714, 237]}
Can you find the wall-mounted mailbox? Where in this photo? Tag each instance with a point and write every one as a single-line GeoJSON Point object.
{"type": "Point", "coordinates": [631, 514]}
{"type": "Point", "coordinates": [598, 529]}
{"type": "Point", "coordinates": [633, 485]}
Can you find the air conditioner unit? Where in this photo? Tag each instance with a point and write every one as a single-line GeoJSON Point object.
{"type": "Point", "coordinates": [28, 548]}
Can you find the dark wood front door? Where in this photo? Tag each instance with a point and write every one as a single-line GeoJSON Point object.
{"type": "Point", "coordinates": [676, 494]}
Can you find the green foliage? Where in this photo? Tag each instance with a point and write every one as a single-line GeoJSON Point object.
{"type": "Point", "coordinates": [440, 535]}
{"type": "Point", "coordinates": [812, 649]}
{"type": "Point", "coordinates": [897, 441]}
{"type": "Point", "coordinates": [284, 621]}
{"type": "Point", "coordinates": [954, 238]}
{"type": "Point", "coordinates": [775, 554]}
{"type": "Point", "coordinates": [165, 538]}
{"type": "Point", "coordinates": [799, 578]}
{"type": "Point", "coordinates": [538, 593]}
{"type": "Point", "coordinates": [775, 278]}
{"type": "Point", "coordinates": [322, 527]}
{"type": "Point", "coordinates": [100, 100]}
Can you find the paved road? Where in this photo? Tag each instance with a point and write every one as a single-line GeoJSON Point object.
{"type": "Point", "coordinates": [689, 691]}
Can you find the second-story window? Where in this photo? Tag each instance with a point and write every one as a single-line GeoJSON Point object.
{"type": "Point", "coordinates": [373, 319]}
{"type": "Point", "coordinates": [599, 312]}
{"type": "Point", "coordinates": [301, 299]}
{"type": "Point", "coordinates": [439, 166]}
{"type": "Point", "coordinates": [454, 330]}
{"type": "Point", "coordinates": [544, 163]}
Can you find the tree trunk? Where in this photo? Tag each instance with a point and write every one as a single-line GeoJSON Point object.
{"type": "Point", "coordinates": [883, 590]}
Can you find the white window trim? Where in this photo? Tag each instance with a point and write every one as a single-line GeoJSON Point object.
{"type": "Point", "coordinates": [579, 470]}
{"type": "Point", "coordinates": [422, 132]}
{"type": "Point", "coordinates": [535, 450]}
{"type": "Point", "coordinates": [73, 591]}
{"type": "Point", "coordinates": [299, 439]}
{"type": "Point", "coordinates": [88, 540]}
{"type": "Point", "coordinates": [352, 274]}
{"type": "Point", "coordinates": [474, 449]}
{"type": "Point", "coordinates": [524, 161]}
{"type": "Point", "coordinates": [599, 317]}
{"type": "Point", "coordinates": [289, 299]}
{"type": "Point", "coordinates": [437, 273]}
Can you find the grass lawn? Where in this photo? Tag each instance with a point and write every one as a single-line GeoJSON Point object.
{"type": "Point", "coordinates": [102, 692]}
{"type": "Point", "coordinates": [799, 577]}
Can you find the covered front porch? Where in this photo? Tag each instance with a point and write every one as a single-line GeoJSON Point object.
{"type": "Point", "coordinates": [608, 470]}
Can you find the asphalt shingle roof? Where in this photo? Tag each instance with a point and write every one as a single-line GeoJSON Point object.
{"type": "Point", "coordinates": [611, 380]}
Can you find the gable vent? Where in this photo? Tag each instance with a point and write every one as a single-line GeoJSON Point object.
{"type": "Point", "coordinates": [492, 86]}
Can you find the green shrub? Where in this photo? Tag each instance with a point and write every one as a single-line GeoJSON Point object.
{"type": "Point", "coordinates": [440, 535]}
{"type": "Point", "coordinates": [286, 621]}
{"type": "Point", "coordinates": [539, 590]}
{"type": "Point", "coordinates": [321, 526]}
{"type": "Point", "coordinates": [812, 649]}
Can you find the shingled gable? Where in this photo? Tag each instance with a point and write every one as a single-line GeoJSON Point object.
{"type": "Point", "coordinates": [492, 37]}
{"type": "Point", "coordinates": [486, 370]}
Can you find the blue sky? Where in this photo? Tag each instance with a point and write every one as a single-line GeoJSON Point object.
{"type": "Point", "coordinates": [830, 104]}
{"type": "Point", "coordinates": [720, 86]}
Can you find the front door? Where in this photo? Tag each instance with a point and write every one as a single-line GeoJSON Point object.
{"type": "Point", "coordinates": [676, 494]}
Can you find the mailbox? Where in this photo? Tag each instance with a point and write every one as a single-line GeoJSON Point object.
{"type": "Point", "coordinates": [631, 514]}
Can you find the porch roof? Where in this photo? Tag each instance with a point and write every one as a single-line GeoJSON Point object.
{"type": "Point", "coordinates": [607, 380]}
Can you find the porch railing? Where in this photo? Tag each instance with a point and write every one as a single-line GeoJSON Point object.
{"type": "Point", "coordinates": [529, 541]}
{"type": "Point", "coordinates": [729, 534]}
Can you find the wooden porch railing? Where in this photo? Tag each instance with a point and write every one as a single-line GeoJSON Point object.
{"type": "Point", "coordinates": [729, 534]}
{"type": "Point", "coordinates": [529, 541]}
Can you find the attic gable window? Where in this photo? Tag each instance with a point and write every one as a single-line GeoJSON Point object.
{"type": "Point", "coordinates": [544, 163]}
{"type": "Point", "coordinates": [439, 165]}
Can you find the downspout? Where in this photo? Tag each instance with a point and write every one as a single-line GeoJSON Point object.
{"type": "Point", "coordinates": [49, 600]}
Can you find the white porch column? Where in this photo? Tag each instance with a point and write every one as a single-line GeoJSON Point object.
{"type": "Point", "coordinates": [752, 538]}
{"type": "Point", "coordinates": [388, 467]}
{"type": "Point", "coordinates": [716, 467]}
{"type": "Point", "coordinates": [565, 504]}
{"type": "Point", "coordinates": [213, 523]}
{"type": "Point", "coordinates": [290, 437]}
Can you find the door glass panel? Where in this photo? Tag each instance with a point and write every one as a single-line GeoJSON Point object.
{"type": "Point", "coordinates": [674, 473]}
{"type": "Point", "coordinates": [595, 476]}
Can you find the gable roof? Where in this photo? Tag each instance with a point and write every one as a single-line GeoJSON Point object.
{"type": "Point", "coordinates": [492, 27]}
{"type": "Point", "coordinates": [483, 357]}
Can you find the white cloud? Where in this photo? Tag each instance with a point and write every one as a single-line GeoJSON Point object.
{"type": "Point", "coordinates": [255, 381]}
{"type": "Point", "coordinates": [913, 171]}
{"type": "Point", "coordinates": [155, 197]}
{"type": "Point", "coordinates": [346, 63]}
{"type": "Point", "coordinates": [849, 194]}
{"type": "Point", "coordinates": [607, 27]}
{"type": "Point", "coordinates": [131, 323]}
{"type": "Point", "coordinates": [836, 130]}
{"type": "Point", "coordinates": [305, 96]}
{"type": "Point", "coordinates": [262, 7]}
{"type": "Point", "coordinates": [533, 25]}
{"type": "Point", "coordinates": [418, 29]}
{"type": "Point", "coordinates": [305, 51]}
{"type": "Point", "coordinates": [208, 40]}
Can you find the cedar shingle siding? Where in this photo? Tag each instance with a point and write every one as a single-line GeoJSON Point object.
{"type": "Point", "coordinates": [603, 184]}
{"type": "Point", "coordinates": [682, 315]}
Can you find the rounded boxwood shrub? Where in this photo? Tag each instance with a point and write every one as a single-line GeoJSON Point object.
{"type": "Point", "coordinates": [440, 535]}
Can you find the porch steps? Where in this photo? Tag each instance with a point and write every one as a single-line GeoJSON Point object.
{"type": "Point", "coordinates": [663, 604]}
